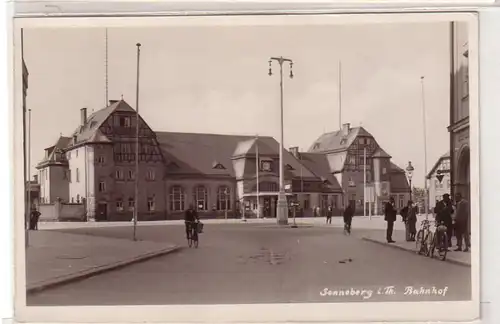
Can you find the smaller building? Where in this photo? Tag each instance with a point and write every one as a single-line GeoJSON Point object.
{"type": "Point", "coordinates": [439, 180]}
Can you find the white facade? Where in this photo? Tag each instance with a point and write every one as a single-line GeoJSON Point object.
{"type": "Point", "coordinates": [438, 188]}
{"type": "Point", "coordinates": [44, 179]}
{"type": "Point", "coordinates": [81, 175]}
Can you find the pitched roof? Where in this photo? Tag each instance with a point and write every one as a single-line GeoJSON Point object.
{"type": "Point", "coordinates": [380, 153]}
{"type": "Point", "coordinates": [445, 156]}
{"type": "Point", "coordinates": [90, 131]}
{"type": "Point", "coordinates": [399, 182]}
{"type": "Point", "coordinates": [318, 164]}
{"type": "Point", "coordinates": [54, 153]}
{"type": "Point", "coordinates": [195, 153]}
{"type": "Point", "coordinates": [336, 141]}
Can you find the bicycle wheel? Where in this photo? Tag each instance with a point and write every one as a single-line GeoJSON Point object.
{"type": "Point", "coordinates": [433, 246]}
{"type": "Point", "coordinates": [419, 240]}
{"type": "Point", "coordinates": [428, 243]}
{"type": "Point", "coordinates": [195, 238]}
{"type": "Point", "coordinates": [443, 246]}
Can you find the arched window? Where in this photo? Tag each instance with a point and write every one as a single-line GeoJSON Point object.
{"type": "Point", "coordinates": [177, 198]}
{"type": "Point", "coordinates": [200, 198]}
{"type": "Point", "coordinates": [224, 198]}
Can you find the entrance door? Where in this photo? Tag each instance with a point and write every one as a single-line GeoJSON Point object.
{"type": "Point", "coordinates": [102, 212]}
{"type": "Point", "coordinates": [267, 206]}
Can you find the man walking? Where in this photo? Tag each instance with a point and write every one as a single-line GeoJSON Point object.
{"type": "Point", "coordinates": [444, 211]}
{"type": "Point", "coordinates": [390, 218]}
{"type": "Point", "coordinates": [329, 214]}
{"type": "Point", "coordinates": [462, 222]}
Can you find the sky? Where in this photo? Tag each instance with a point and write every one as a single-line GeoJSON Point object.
{"type": "Point", "coordinates": [214, 80]}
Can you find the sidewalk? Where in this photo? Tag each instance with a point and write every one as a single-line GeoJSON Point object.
{"type": "Point", "coordinates": [461, 258]}
{"type": "Point", "coordinates": [55, 258]}
{"type": "Point", "coordinates": [362, 222]}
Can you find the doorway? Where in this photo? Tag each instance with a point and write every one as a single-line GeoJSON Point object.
{"type": "Point", "coordinates": [102, 212]}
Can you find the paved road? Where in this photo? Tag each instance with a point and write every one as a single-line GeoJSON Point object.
{"type": "Point", "coordinates": [255, 263]}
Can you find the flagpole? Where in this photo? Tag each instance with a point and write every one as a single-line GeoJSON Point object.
{"type": "Point", "coordinates": [340, 95]}
{"type": "Point", "coordinates": [136, 206]}
{"type": "Point", "coordinates": [29, 160]}
{"type": "Point", "coordinates": [26, 201]}
{"type": "Point", "coordinates": [257, 169]}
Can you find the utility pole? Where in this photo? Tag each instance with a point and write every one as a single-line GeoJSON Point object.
{"type": "Point", "coordinates": [137, 124]}
{"type": "Point", "coordinates": [424, 123]}
{"type": "Point", "coordinates": [257, 171]}
{"type": "Point", "coordinates": [282, 208]}
{"type": "Point", "coordinates": [364, 182]}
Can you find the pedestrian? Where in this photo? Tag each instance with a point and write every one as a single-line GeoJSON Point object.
{"type": "Point", "coordinates": [411, 221]}
{"type": "Point", "coordinates": [348, 214]}
{"type": "Point", "coordinates": [462, 223]}
{"type": "Point", "coordinates": [390, 217]}
{"type": "Point", "coordinates": [329, 214]}
{"type": "Point", "coordinates": [190, 218]}
{"type": "Point", "coordinates": [34, 218]}
{"type": "Point", "coordinates": [444, 214]}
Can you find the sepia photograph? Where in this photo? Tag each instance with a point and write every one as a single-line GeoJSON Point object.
{"type": "Point", "coordinates": [314, 160]}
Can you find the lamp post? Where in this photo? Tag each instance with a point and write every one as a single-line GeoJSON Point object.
{"type": "Point", "coordinates": [409, 174]}
{"type": "Point", "coordinates": [424, 124]}
{"type": "Point", "coordinates": [282, 208]}
{"type": "Point", "coordinates": [136, 203]}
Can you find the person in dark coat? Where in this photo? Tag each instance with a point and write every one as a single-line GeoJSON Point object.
{"type": "Point", "coordinates": [348, 214]}
{"type": "Point", "coordinates": [329, 214]}
{"type": "Point", "coordinates": [34, 218]}
{"type": "Point", "coordinates": [444, 211]}
{"type": "Point", "coordinates": [190, 217]}
{"type": "Point", "coordinates": [462, 223]}
{"type": "Point", "coordinates": [390, 217]}
{"type": "Point", "coordinates": [411, 221]}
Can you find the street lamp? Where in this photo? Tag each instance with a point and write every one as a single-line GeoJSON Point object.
{"type": "Point", "coordinates": [424, 124]}
{"type": "Point", "coordinates": [409, 174]}
{"type": "Point", "coordinates": [282, 208]}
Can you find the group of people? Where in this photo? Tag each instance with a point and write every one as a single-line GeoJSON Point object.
{"type": "Point", "coordinates": [454, 215]}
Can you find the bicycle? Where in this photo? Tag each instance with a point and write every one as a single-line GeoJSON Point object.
{"type": "Point", "coordinates": [424, 238]}
{"type": "Point", "coordinates": [193, 234]}
{"type": "Point", "coordinates": [347, 229]}
{"type": "Point", "coordinates": [440, 241]}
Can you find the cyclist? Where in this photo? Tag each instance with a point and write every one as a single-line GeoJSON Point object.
{"type": "Point", "coordinates": [190, 217]}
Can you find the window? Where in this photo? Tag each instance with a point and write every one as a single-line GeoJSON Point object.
{"type": "Point", "coordinates": [352, 159]}
{"type": "Point", "coordinates": [201, 198]}
{"type": "Point", "coordinates": [69, 155]}
{"type": "Point", "coordinates": [334, 201]}
{"type": "Point", "coordinates": [119, 174]}
{"type": "Point", "coordinates": [76, 152]}
{"type": "Point", "coordinates": [125, 148]}
{"type": "Point", "coordinates": [77, 175]}
{"type": "Point", "coordinates": [124, 121]}
{"type": "Point", "coordinates": [401, 201]}
{"type": "Point", "coordinates": [307, 202]}
{"type": "Point", "coordinates": [367, 141]}
{"type": "Point", "coordinates": [151, 204]}
{"type": "Point", "coordinates": [69, 175]}
{"type": "Point", "coordinates": [119, 205]}
{"type": "Point", "coordinates": [177, 198]}
{"type": "Point", "coordinates": [102, 186]}
{"type": "Point", "coordinates": [131, 204]}
{"type": "Point", "coordinates": [100, 159]}
{"type": "Point", "coordinates": [361, 141]}
{"type": "Point", "coordinates": [131, 175]}
{"type": "Point", "coordinates": [437, 183]}
{"type": "Point", "coordinates": [448, 182]}
{"type": "Point", "coordinates": [151, 175]}
{"type": "Point", "coordinates": [324, 202]}
{"type": "Point", "coordinates": [223, 198]}
{"type": "Point", "coordinates": [384, 170]}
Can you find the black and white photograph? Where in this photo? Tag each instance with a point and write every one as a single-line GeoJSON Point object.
{"type": "Point", "coordinates": [255, 161]}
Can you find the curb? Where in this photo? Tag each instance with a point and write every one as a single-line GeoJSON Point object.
{"type": "Point", "coordinates": [93, 271]}
{"type": "Point", "coordinates": [460, 263]}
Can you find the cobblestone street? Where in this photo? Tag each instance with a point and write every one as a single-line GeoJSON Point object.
{"type": "Point", "coordinates": [259, 263]}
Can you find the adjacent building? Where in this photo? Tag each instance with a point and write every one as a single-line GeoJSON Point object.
{"type": "Point", "coordinates": [439, 180]}
{"type": "Point", "coordinates": [351, 151]}
{"type": "Point", "coordinates": [219, 175]}
{"type": "Point", "coordinates": [459, 110]}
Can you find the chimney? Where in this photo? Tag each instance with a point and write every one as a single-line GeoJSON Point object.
{"type": "Point", "coordinates": [346, 128]}
{"type": "Point", "coordinates": [295, 151]}
{"type": "Point", "coordinates": [83, 116]}
{"type": "Point", "coordinates": [35, 178]}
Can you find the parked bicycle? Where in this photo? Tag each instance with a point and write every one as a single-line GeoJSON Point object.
{"type": "Point", "coordinates": [424, 238]}
{"type": "Point", "coordinates": [194, 229]}
{"type": "Point", "coordinates": [440, 242]}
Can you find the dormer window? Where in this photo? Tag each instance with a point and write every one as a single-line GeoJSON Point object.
{"type": "Point", "coordinates": [343, 140]}
{"type": "Point", "coordinates": [289, 167]}
{"type": "Point", "coordinates": [74, 139]}
{"type": "Point", "coordinates": [218, 166]}
{"type": "Point", "coordinates": [316, 146]}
